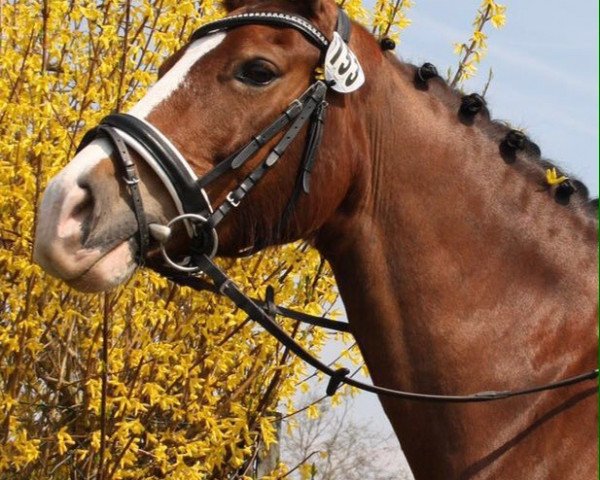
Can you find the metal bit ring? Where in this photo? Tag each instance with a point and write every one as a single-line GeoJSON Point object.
{"type": "Point", "coordinates": [192, 218]}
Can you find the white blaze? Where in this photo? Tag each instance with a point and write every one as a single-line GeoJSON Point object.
{"type": "Point", "coordinates": [162, 89]}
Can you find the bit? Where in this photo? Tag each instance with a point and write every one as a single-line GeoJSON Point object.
{"type": "Point", "coordinates": [160, 233]}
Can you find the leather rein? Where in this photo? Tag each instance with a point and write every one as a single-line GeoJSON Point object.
{"type": "Point", "coordinates": [201, 217]}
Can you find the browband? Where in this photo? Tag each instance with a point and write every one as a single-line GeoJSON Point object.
{"type": "Point", "coordinates": [273, 19]}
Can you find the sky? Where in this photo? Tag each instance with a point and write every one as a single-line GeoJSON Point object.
{"type": "Point", "coordinates": [545, 66]}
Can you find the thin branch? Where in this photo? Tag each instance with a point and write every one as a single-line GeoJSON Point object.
{"type": "Point", "coordinates": [104, 366]}
{"type": "Point", "coordinates": [302, 462]}
{"type": "Point", "coordinates": [487, 84]}
{"type": "Point", "coordinates": [471, 48]}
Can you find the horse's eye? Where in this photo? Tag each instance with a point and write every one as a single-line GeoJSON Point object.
{"type": "Point", "coordinates": [257, 73]}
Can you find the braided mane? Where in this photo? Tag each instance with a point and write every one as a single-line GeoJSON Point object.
{"type": "Point", "coordinates": [527, 158]}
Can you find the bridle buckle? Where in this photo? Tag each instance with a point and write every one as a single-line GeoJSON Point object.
{"type": "Point", "coordinates": [131, 181]}
{"type": "Point", "coordinates": [232, 201]}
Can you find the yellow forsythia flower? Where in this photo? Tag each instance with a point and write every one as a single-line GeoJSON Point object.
{"type": "Point", "coordinates": [474, 50]}
{"type": "Point", "coordinates": [64, 440]}
{"type": "Point", "coordinates": [553, 178]}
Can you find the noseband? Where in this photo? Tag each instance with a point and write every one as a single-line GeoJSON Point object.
{"type": "Point", "coordinates": [343, 74]}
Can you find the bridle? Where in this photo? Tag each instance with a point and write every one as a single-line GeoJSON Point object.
{"type": "Point", "coordinates": [201, 217]}
{"type": "Point", "coordinates": [187, 190]}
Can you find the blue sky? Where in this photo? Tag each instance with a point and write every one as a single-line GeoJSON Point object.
{"type": "Point", "coordinates": [545, 64]}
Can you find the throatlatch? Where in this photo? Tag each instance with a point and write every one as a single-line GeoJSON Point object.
{"type": "Point", "coordinates": [341, 73]}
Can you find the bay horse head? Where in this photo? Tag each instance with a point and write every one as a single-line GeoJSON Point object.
{"type": "Point", "coordinates": [240, 86]}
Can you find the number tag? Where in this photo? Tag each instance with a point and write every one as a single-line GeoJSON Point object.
{"type": "Point", "coordinates": [342, 67]}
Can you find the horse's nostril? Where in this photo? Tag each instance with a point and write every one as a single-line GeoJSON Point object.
{"type": "Point", "coordinates": [74, 219]}
{"type": "Point", "coordinates": [84, 207]}
{"type": "Point", "coordinates": [83, 213]}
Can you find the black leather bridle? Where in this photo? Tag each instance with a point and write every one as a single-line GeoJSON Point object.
{"type": "Point", "coordinates": [201, 218]}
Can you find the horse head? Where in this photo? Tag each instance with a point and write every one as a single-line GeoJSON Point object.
{"type": "Point", "coordinates": [211, 100]}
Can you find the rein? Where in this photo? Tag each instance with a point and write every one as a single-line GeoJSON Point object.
{"type": "Point", "coordinates": [342, 74]}
{"type": "Point", "coordinates": [264, 312]}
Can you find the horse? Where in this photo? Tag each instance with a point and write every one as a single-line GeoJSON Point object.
{"type": "Point", "coordinates": [464, 259]}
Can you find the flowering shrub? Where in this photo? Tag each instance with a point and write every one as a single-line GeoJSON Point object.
{"type": "Point", "coordinates": [474, 49]}
{"type": "Point", "coordinates": [190, 385]}
{"type": "Point", "coordinates": [389, 18]}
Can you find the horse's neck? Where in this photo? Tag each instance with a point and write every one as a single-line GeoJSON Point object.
{"type": "Point", "coordinates": [459, 274]}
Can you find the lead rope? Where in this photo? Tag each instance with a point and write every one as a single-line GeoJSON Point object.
{"type": "Point", "coordinates": [264, 312]}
